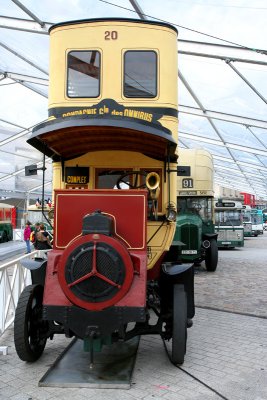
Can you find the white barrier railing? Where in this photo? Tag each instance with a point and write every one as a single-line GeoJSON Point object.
{"type": "Point", "coordinates": [13, 278]}
{"type": "Point", "coordinates": [18, 234]}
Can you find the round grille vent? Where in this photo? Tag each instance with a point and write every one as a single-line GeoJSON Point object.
{"type": "Point", "coordinates": [95, 274]}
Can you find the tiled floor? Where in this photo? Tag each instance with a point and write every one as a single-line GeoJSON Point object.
{"type": "Point", "coordinates": [226, 351]}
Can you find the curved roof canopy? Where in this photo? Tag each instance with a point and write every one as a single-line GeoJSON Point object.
{"type": "Point", "coordinates": [222, 83]}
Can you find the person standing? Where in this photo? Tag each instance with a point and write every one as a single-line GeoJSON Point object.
{"type": "Point", "coordinates": [42, 239]}
{"type": "Point", "coordinates": [36, 229]}
{"type": "Point", "coordinates": [27, 234]}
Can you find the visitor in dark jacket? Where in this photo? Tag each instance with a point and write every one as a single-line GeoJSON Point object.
{"type": "Point", "coordinates": [42, 241]}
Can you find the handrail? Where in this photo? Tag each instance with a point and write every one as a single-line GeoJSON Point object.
{"type": "Point", "coordinates": [13, 278]}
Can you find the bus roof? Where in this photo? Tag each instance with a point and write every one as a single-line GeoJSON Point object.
{"type": "Point", "coordinates": [4, 205]}
{"type": "Point", "coordinates": [93, 20]}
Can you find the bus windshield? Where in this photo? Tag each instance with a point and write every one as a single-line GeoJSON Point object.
{"type": "Point", "coordinates": [246, 216]}
{"type": "Point", "coordinates": [228, 218]}
{"type": "Point", "coordinates": [197, 205]}
{"type": "Point", "coordinates": [257, 219]}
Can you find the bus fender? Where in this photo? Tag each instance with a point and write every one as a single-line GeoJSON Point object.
{"type": "Point", "coordinates": [33, 264]}
{"type": "Point", "coordinates": [173, 270]}
{"type": "Point", "coordinates": [37, 268]}
{"type": "Point", "coordinates": [210, 236]}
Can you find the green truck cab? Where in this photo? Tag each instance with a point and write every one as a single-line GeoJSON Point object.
{"type": "Point", "coordinates": [195, 230]}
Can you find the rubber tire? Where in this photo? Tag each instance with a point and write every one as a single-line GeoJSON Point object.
{"type": "Point", "coordinates": [28, 324]}
{"type": "Point", "coordinates": [5, 238]}
{"type": "Point", "coordinates": [211, 259]}
{"type": "Point", "coordinates": [179, 330]}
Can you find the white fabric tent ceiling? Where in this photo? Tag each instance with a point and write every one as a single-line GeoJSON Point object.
{"type": "Point", "coordinates": [222, 83]}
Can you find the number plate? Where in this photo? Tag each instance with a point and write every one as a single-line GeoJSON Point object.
{"type": "Point", "coordinates": [189, 251]}
{"type": "Point", "coordinates": [226, 242]}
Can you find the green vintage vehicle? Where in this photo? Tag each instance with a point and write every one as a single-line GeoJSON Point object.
{"type": "Point", "coordinates": [6, 228]}
{"type": "Point", "coordinates": [6, 231]}
{"type": "Point", "coordinates": [195, 231]}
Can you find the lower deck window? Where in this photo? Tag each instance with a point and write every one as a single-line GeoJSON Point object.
{"type": "Point", "coordinates": [109, 179]}
{"type": "Point", "coordinates": [126, 179]}
{"type": "Point", "coordinates": [228, 218]}
{"type": "Point", "coordinates": [201, 206]}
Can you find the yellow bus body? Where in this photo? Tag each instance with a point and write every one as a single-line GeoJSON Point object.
{"type": "Point", "coordinates": [199, 181]}
{"type": "Point", "coordinates": [112, 130]}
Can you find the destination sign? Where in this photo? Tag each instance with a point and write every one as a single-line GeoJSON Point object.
{"type": "Point", "coordinates": [228, 204]}
{"type": "Point", "coordinates": [187, 193]}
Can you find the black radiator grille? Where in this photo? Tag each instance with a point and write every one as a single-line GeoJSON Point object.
{"type": "Point", "coordinates": [108, 265]}
{"type": "Point", "coordinates": [189, 236]}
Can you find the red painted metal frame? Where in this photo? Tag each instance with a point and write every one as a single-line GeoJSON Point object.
{"type": "Point", "coordinates": [127, 207]}
{"type": "Point", "coordinates": [129, 210]}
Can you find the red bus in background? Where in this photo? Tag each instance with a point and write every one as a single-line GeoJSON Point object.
{"type": "Point", "coordinates": [8, 213]}
{"type": "Point", "coordinates": [249, 199]}
{"type": "Point", "coordinates": [8, 216]}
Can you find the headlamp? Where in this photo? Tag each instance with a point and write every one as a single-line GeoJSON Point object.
{"type": "Point", "coordinates": [171, 214]}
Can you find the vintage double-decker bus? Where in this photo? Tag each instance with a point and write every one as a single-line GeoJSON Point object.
{"type": "Point", "coordinates": [112, 136]}
{"type": "Point", "coordinates": [195, 229]}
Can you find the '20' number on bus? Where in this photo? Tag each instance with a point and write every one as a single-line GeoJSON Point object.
{"type": "Point", "coordinates": [111, 35]}
{"type": "Point", "coordinates": [187, 183]}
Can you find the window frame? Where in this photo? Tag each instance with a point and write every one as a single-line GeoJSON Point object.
{"type": "Point", "coordinates": [156, 74]}
{"type": "Point", "coordinates": [100, 73]}
{"type": "Point", "coordinates": [99, 170]}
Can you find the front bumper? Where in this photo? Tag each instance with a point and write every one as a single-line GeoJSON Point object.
{"type": "Point", "coordinates": [81, 322]}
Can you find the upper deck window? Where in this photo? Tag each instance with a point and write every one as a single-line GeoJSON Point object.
{"type": "Point", "coordinates": [83, 74]}
{"type": "Point", "coordinates": [140, 74]}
